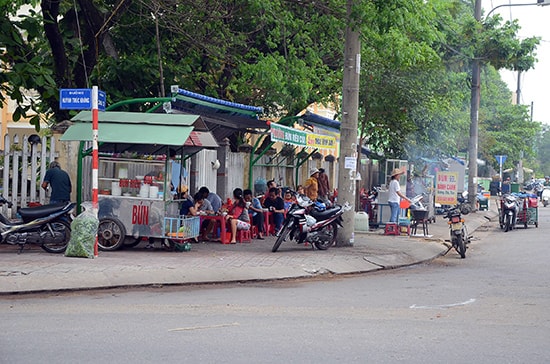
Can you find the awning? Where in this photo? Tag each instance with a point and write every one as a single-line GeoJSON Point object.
{"type": "Point", "coordinates": [143, 132]}
{"type": "Point", "coordinates": [130, 133]}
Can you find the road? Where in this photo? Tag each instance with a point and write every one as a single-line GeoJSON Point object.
{"type": "Point", "coordinates": [490, 307]}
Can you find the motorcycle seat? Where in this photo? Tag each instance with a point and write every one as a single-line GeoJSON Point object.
{"type": "Point", "coordinates": [40, 211]}
{"type": "Point", "coordinates": [324, 215]}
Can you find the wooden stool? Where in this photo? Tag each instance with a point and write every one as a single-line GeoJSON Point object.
{"type": "Point", "coordinates": [391, 229]}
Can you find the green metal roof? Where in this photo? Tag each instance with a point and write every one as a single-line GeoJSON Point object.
{"type": "Point", "coordinates": [139, 118]}
{"type": "Point", "coordinates": [130, 133]}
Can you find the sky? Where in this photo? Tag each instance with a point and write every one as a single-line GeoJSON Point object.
{"type": "Point", "coordinates": [535, 83]}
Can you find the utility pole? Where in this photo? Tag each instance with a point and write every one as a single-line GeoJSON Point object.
{"type": "Point", "coordinates": [474, 120]}
{"type": "Point", "coordinates": [347, 167]}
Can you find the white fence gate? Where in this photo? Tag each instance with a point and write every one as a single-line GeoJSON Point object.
{"type": "Point", "coordinates": [23, 166]}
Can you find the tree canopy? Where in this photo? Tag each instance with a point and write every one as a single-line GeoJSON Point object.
{"type": "Point", "coordinates": [282, 55]}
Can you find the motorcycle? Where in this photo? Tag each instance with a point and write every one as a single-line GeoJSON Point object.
{"type": "Point", "coordinates": [545, 196]}
{"type": "Point", "coordinates": [48, 226]}
{"type": "Point", "coordinates": [457, 228]}
{"type": "Point", "coordinates": [310, 221]}
{"type": "Point", "coordinates": [509, 208]}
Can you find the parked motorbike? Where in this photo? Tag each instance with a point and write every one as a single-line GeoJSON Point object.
{"type": "Point", "coordinates": [545, 196]}
{"type": "Point", "coordinates": [310, 221]}
{"type": "Point", "coordinates": [509, 208]}
{"type": "Point", "coordinates": [48, 226]}
{"type": "Point", "coordinates": [457, 228]}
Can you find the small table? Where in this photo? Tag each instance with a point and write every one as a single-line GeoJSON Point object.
{"type": "Point", "coordinates": [221, 220]}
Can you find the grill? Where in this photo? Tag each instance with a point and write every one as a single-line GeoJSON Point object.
{"type": "Point", "coordinates": [419, 214]}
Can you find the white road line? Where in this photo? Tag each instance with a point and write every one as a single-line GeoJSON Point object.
{"type": "Point", "coordinates": [471, 300]}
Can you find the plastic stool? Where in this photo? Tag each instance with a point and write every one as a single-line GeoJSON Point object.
{"type": "Point", "coordinates": [404, 229]}
{"type": "Point", "coordinates": [391, 229]}
{"type": "Point", "coordinates": [254, 232]}
{"type": "Point", "coordinates": [244, 236]}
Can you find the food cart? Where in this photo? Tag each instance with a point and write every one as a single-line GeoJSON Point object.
{"type": "Point", "coordinates": [528, 210]}
{"type": "Point", "coordinates": [136, 198]}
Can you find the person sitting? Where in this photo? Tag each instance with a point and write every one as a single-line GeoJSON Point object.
{"type": "Point", "coordinates": [288, 199]}
{"type": "Point", "coordinates": [214, 199]}
{"type": "Point", "coordinates": [203, 207]}
{"type": "Point", "coordinates": [255, 209]}
{"type": "Point", "coordinates": [187, 207]}
{"type": "Point", "coordinates": [238, 218]}
{"type": "Point", "coordinates": [276, 206]}
{"type": "Point", "coordinates": [311, 186]}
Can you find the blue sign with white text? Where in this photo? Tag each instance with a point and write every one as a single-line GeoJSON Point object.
{"type": "Point", "coordinates": [80, 99]}
{"type": "Point", "coordinates": [75, 99]}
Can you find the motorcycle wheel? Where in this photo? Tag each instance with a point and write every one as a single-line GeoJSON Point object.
{"type": "Point", "coordinates": [283, 234]}
{"type": "Point", "coordinates": [507, 223]}
{"type": "Point", "coordinates": [110, 234]}
{"type": "Point", "coordinates": [64, 228]}
{"type": "Point", "coordinates": [331, 230]}
{"type": "Point", "coordinates": [461, 246]}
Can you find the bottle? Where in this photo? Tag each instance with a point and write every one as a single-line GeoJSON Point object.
{"type": "Point", "coordinates": [352, 239]}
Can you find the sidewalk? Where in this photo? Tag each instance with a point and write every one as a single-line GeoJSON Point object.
{"type": "Point", "coordinates": [37, 271]}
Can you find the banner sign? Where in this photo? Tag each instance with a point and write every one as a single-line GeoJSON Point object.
{"type": "Point", "coordinates": [285, 134]}
{"type": "Point", "coordinates": [446, 188]}
{"type": "Point", "coordinates": [321, 141]}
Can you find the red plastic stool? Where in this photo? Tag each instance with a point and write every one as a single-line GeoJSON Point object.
{"type": "Point", "coordinates": [244, 236]}
{"type": "Point", "coordinates": [254, 232]}
{"type": "Point", "coordinates": [391, 229]}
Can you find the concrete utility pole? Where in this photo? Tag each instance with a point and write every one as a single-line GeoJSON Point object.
{"type": "Point", "coordinates": [347, 166]}
{"type": "Point", "coordinates": [474, 118]}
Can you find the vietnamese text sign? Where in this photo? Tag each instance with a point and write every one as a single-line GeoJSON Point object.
{"type": "Point", "coordinates": [280, 133]}
{"type": "Point", "coordinates": [75, 99]}
{"type": "Point", "coordinates": [285, 134]}
{"type": "Point", "coordinates": [321, 141]}
{"type": "Point", "coordinates": [446, 188]}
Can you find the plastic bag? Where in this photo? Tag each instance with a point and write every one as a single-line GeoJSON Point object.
{"type": "Point", "coordinates": [83, 235]}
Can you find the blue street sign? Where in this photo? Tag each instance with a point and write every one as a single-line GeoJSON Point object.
{"type": "Point", "coordinates": [75, 98]}
{"type": "Point", "coordinates": [101, 100]}
{"type": "Point", "coordinates": [80, 99]}
{"type": "Point", "coordinates": [501, 159]}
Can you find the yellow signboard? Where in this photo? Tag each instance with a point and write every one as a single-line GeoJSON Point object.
{"type": "Point", "coordinates": [446, 188]}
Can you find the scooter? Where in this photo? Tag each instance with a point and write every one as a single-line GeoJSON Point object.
{"type": "Point", "coordinates": [509, 208]}
{"type": "Point", "coordinates": [48, 226]}
{"type": "Point", "coordinates": [309, 221]}
{"type": "Point", "coordinates": [457, 228]}
{"type": "Point", "coordinates": [545, 196]}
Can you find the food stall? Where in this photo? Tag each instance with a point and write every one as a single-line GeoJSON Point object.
{"type": "Point", "coordinates": [136, 198]}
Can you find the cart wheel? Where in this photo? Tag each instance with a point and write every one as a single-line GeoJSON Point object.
{"type": "Point", "coordinates": [110, 234]}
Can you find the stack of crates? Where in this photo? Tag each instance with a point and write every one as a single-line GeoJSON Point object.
{"type": "Point", "coordinates": [404, 226]}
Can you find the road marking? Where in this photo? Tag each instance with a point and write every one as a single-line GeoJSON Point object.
{"type": "Point", "coordinates": [471, 300]}
{"type": "Point", "coordinates": [204, 327]}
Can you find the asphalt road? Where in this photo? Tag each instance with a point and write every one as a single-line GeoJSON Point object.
{"type": "Point", "coordinates": [490, 307]}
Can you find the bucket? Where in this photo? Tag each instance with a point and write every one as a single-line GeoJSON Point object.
{"type": "Point", "coordinates": [153, 192]}
{"type": "Point", "coordinates": [116, 190]}
{"type": "Point", "coordinates": [361, 221]}
{"type": "Point", "coordinates": [144, 191]}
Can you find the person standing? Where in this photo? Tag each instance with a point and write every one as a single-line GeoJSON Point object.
{"type": "Point", "coordinates": [311, 186]}
{"type": "Point", "coordinates": [395, 195]}
{"type": "Point", "coordinates": [324, 187]}
{"type": "Point", "coordinates": [59, 182]}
